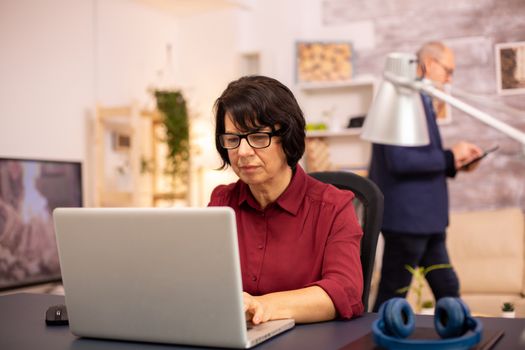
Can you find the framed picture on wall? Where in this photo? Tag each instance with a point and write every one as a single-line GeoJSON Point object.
{"type": "Point", "coordinates": [323, 61]}
{"type": "Point", "coordinates": [121, 142]}
{"type": "Point", "coordinates": [510, 68]}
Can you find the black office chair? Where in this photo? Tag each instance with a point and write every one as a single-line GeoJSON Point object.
{"type": "Point", "coordinates": [369, 208]}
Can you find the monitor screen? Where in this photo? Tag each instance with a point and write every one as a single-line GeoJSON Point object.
{"type": "Point", "coordinates": [29, 191]}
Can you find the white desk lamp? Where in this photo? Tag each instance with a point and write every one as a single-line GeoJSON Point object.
{"type": "Point", "coordinates": [396, 116]}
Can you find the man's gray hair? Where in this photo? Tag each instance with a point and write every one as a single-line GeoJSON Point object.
{"type": "Point", "coordinates": [432, 49]}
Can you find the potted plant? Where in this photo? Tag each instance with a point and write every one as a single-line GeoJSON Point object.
{"type": "Point", "coordinates": [419, 274]}
{"type": "Point", "coordinates": [507, 310]}
{"type": "Point", "coordinates": [427, 307]}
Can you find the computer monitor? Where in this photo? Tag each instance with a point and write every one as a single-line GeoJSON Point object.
{"type": "Point", "coordinates": [29, 191]}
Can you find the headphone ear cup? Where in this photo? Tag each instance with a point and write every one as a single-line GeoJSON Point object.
{"type": "Point", "coordinates": [451, 317]}
{"type": "Point", "coordinates": [398, 317]}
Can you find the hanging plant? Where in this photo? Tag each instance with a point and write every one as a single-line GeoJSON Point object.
{"type": "Point", "coordinates": [172, 105]}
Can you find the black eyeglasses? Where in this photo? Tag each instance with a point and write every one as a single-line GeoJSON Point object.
{"type": "Point", "coordinates": [256, 139]}
{"type": "Point", "coordinates": [447, 70]}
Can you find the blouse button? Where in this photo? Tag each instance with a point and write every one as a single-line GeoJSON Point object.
{"type": "Point", "coordinates": [254, 278]}
{"type": "Point", "coordinates": [260, 246]}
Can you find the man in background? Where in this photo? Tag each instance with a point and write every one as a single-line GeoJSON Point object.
{"type": "Point", "coordinates": [413, 181]}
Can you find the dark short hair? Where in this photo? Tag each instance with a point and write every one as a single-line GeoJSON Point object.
{"type": "Point", "coordinates": [257, 101]}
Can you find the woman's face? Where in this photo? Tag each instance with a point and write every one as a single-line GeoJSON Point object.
{"type": "Point", "coordinates": [256, 166]}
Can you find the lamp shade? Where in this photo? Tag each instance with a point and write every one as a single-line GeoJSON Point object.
{"type": "Point", "coordinates": [396, 116]}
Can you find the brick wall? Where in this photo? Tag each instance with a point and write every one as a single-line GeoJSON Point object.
{"type": "Point", "coordinates": [471, 29]}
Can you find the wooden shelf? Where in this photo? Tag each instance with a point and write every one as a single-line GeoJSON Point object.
{"type": "Point", "coordinates": [331, 133]}
{"type": "Point", "coordinates": [169, 196]}
{"type": "Point", "coordinates": [334, 104]}
{"type": "Point", "coordinates": [116, 148]}
{"type": "Point", "coordinates": [365, 80]}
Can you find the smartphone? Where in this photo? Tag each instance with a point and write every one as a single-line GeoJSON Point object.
{"type": "Point", "coordinates": [477, 159]}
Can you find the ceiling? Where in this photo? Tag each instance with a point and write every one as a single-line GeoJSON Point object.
{"type": "Point", "coordinates": [187, 8]}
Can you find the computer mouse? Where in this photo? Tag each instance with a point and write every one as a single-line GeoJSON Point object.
{"type": "Point", "coordinates": [56, 315]}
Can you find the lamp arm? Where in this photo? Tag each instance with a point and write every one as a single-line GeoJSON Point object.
{"type": "Point", "coordinates": [476, 113]}
{"type": "Point", "coordinates": [462, 106]}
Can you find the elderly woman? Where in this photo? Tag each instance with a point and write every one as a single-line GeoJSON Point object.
{"type": "Point", "coordinates": [298, 238]}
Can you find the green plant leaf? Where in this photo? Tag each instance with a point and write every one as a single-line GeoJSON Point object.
{"type": "Point", "coordinates": [435, 267]}
{"type": "Point", "coordinates": [172, 105]}
{"type": "Point", "coordinates": [507, 307]}
{"type": "Point", "coordinates": [402, 290]}
{"type": "Point", "coordinates": [411, 269]}
{"type": "Point", "coordinates": [427, 304]}
{"type": "Point", "coordinates": [419, 273]}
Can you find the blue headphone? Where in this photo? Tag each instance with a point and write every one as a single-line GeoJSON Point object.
{"type": "Point", "coordinates": [452, 322]}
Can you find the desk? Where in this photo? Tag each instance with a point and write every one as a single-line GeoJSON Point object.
{"type": "Point", "coordinates": [22, 326]}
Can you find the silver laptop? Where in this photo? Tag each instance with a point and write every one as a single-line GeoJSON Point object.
{"type": "Point", "coordinates": [156, 275]}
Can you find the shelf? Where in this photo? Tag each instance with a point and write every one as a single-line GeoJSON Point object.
{"type": "Point", "coordinates": [364, 80]}
{"type": "Point", "coordinates": [330, 133]}
{"type": "Point", "coordinates": [334, 104]}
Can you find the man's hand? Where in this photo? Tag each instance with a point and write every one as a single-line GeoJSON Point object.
{"type": "Point", "coordinates": [464, 152]}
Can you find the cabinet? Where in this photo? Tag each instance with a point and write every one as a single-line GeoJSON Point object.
{"type": "Point", "coordinates": [117, 149]}
{"type": "Point", "coordinates": [334, 104]}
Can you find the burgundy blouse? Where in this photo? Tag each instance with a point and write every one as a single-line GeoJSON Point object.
{"type": "Point", "coordinates": [309, 236]}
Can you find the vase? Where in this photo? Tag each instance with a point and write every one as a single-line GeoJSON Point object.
{"type": "Point", "coordinates": [508, 314]}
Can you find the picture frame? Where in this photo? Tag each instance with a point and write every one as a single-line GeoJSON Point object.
{"type": "Point", "coordinates": [510, 68]}
{"type": "Point", "coordinates": [121, 141]}
{"type": "Point", "coordinates": [324, 61]}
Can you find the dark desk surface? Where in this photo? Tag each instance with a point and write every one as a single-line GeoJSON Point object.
{"type": "Point", "coordinates": [22, 326]}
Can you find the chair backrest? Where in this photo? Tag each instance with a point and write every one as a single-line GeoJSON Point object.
{"type": "Point", "coordinates": [369, 207]}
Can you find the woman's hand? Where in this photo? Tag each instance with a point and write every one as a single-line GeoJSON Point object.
{"type": "Point", "coordinates": [255, 310]}
{"type": "Point", "coordinates": [305, 305]}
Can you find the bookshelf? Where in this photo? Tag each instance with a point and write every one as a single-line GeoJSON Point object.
{"type": "Point", "coordinates": [334, 104]}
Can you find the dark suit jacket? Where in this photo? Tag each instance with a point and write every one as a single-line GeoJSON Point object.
{"type": "Point", "coordinates": [413, 181]}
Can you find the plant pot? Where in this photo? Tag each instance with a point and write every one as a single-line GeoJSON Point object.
{"type": "Point", "coordinates": [508, 314]}
{"type": "Point", "coordinates": [427, 311]}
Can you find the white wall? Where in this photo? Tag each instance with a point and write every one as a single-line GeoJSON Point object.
{"type": "Point", "coordinates": [207, 57]}
{"type": "Point", "coordinates": [130, 48]}
{"type": "Point", "coordinates": [46, 84]}
{"type": "Point", "coordinates": [280, 24]}
{"type": "Point", "coordinates": [60, 57]}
